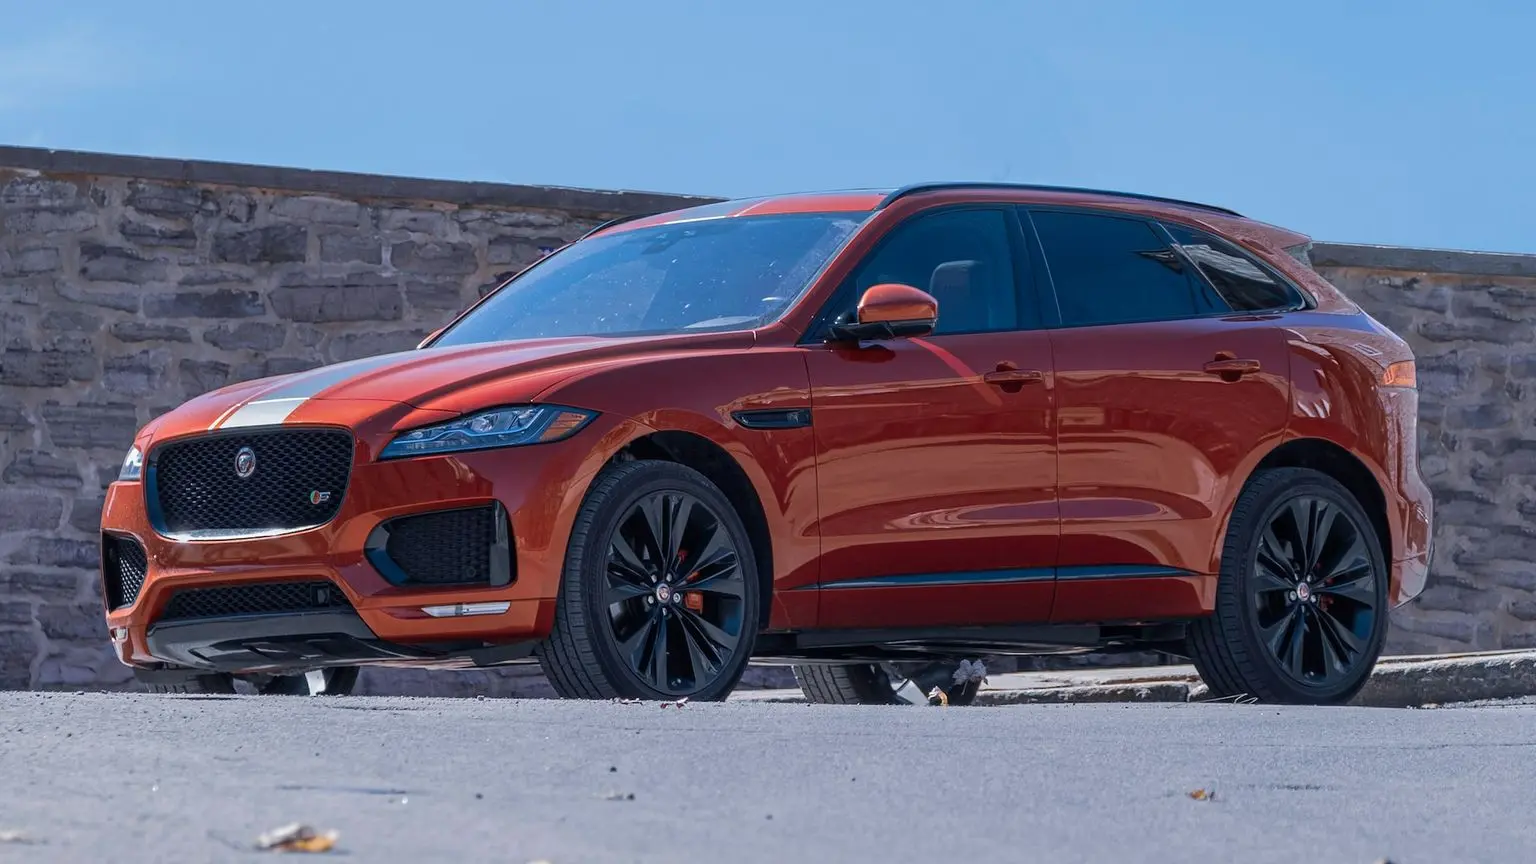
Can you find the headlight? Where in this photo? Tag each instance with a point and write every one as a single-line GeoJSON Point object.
{"type": "Point", "coordinates": [499, 427]}
{"type": "Point", "coordinates": [133, 465]}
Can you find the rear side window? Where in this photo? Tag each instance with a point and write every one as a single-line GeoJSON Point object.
{"type": "Point", "coordinates": [1116, 270]}
{"type": "Point", "coordinates": [1241, 282]}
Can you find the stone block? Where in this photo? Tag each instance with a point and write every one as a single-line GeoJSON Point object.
{"type": "Point", "coordinates": [40, 193]}
{"type": "Point", "coordinates": [53, 586]}
{"type": "Point", "coordinates": [29, 510]}
{"type": "Point", "coordinates": [247, 335]}
{"type": "Point", "coordinates": [30, 261]}
{"type": "Point", "coordinates": [13, 419]}
{"type": "Point", "coordinates": [272, 244]}
{"type": "Point", "coordinates": [57, 552]}
{"type": "Point", "coordinates": [289, 365]}
{"type": "Point", "coordinates": [138, 374]}
{"type": "Point", "coordinates": [169, 202]}
{"type": "Point", "coordinates": [22, 368]}
{"type": "Point", "coordinates": [434, 258]}
{"type": "Point", "coordinates": [71, 319]}
{"type": "Point", "coordinates": [354, 296]}
{"type": "Point", "coordinates": [339, 246]}
{"type": "Point", "coordinates": [36, 468]}
{"type": "Point", "coordinates": [214, 303]}
{"type": "Point", "coordinates": [90, 664]}
{"type": "Point", "coordinates": [91, 425]}
{"type": "Point", "coordinates": [104, 297]}
{"type": "Point", "coordinates": [18, 650]}
{"type": "Point", "coordinates": [200, 376]}
{"type": "Point", "coordinates": [48, 222]}
{"type": "Point", "coordinates": [415, 221]}
{"type": "Point", "coordinates": [317, 210]}
{"type": "Point", "coordinates": [435, 295]}
{"type": "Point", "coordinates": [72, 622]}
{"type": "Point", "coordinates": [153, 234]}
{"type": "Point", "coordinates": [497, 221]}
{"type": "Point", "coordinates": [352, 346]}
{"type": "Point", "coordinates": [85, 514]}
{"type": "Point", "coordinates": [146, 331]}
{"type": "Point", "coordinates": [102, 263]}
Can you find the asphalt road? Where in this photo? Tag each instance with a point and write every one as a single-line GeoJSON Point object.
{"type": "Point", "coordinates": [98, 777]}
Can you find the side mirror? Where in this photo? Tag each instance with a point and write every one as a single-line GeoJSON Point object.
{"type": "Point", "coordinates": [891, 310]}
{"type": "Point", "coordinates": [430, 336]}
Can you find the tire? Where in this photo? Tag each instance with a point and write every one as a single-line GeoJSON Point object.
{"type": "Point", "coordinates": [1335, 606]}
{"type": "Point", "coordinates": [582, 657]}
{"type": "Point", "coordinates": [339, 681]}
{"type": "Point", "coordinates": [211, 683]}
{"type": "Point", "coordinates": [869, 684]}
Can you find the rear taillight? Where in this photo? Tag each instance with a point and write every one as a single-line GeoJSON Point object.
{"type": "Point", "coordinates": [1400, 374]}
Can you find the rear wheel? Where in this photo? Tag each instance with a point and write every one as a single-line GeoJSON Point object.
{"type": "Point", "coordinates": [659, 598]}
{"type": "Point", "coordinates": [335, 681]}
{"type": "Point", "coordinates": [890, 683]}
{"type": "Point", "coordinates": [1301, 602]}
{"type": "Point", "coordinates": [211, 683]}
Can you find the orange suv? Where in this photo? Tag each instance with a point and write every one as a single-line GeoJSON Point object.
{"type": "Point", "coordinates": [872, 435]}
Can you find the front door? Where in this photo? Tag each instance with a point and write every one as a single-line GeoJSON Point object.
{"type": "Point", "coordinates": [936, 462]}
{"type": "Point", "coordinates": [1172, 368]}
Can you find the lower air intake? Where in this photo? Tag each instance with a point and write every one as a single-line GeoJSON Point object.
{"type": "Point", "coordinates": [465, 546]}
{"type": "Point", "coordinates": [259, 598]}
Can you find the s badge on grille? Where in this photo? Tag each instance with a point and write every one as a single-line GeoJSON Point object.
{"type": "Point", "coordinates": [245, 462]}
{"type": "Point", "coordinates": [318, 497]}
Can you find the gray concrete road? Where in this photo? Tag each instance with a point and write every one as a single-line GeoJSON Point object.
{"type": "Point", "coordinates": [98, 777]}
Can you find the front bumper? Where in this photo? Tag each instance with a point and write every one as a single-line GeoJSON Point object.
{"type": "Point", "coordinates": [538, 487]}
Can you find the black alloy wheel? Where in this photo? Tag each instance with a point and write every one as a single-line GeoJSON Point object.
{"type": "Point", "coordinates": [1301, 606]}
{"type": "Point", "coordinates": [675, 592]}
{"type": "Point", "coordinates": [660, 595]}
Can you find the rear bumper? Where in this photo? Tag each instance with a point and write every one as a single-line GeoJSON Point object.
{"type": "Point", "coordinates": [539, 489]}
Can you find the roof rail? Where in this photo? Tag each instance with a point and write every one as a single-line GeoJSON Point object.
{"type": "Point", "coordinates": [915, 188]}
{"type": "Point", "coordinates": [612, 222]}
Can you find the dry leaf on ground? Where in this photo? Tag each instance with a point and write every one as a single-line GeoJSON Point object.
{"type": "Point", "coordinates": [296, 837]}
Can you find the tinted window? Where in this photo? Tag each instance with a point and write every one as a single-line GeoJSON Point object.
{"type": "Point", "coordinates": [1112, 270]}
{"type": "Point", "coordinates": [961, 257]}
{"type": "Point", "coordinates": [710, 274]}
{"type": "Point", "coordinates": [1245, 285]}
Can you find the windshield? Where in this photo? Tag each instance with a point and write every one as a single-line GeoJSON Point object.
{"type": "Point", "coordinates": [712, 274]}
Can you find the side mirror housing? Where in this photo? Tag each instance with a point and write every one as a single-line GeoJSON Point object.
{"type": "Point", "coordinates": [891, 310]}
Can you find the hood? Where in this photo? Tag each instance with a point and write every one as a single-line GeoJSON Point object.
{"type": "Point", "coordinates": [454, 379]}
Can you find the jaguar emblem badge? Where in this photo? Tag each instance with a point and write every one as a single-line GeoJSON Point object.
{"type": "Point", "coordinates": [245, 462]}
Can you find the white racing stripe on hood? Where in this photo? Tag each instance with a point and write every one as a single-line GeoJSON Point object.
{"type": "Point", "coordinates": [274, 406]}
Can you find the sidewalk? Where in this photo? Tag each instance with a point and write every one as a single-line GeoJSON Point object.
{"type": "Point", "coordinates": [1398, 682]}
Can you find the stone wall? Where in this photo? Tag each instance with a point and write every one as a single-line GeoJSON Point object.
{"type": "Point", "coordinates": [128, 285]}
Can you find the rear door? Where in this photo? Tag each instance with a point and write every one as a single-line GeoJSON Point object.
{"type": "Point", "coordinates": [1164, 389]}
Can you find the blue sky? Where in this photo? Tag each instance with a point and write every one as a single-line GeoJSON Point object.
{"type": "Point", "coordinates": [1404, 123]}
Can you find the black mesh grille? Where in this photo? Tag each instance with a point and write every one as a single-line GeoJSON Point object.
{"type": "Point", "coordinates": [123, 568]}
{"type": "Point", "coordinates": [260, 598]}
{"type": "Point", "coordinates": [297, 481]}
{"type": "Point", "coordinates": [447, 547]}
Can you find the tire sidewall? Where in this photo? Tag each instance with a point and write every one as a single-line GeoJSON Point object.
{"type": "Point", "coordinates": [590, 564]}
{"type": "Point", "coordinates": [1239, 574]}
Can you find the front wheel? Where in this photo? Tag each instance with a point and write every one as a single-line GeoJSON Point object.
{"type": "Point", "coordinates": [659, 598]}
{"type": "Point", "coordinates": [1301, 601]}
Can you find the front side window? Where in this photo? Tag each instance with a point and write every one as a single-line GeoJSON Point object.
{"type": "Point", "coordinates": [961, 257]}
{"type": "Point", "coordinates": [730, 273]}
{"type": "Point", "coordinates": [1242, 283]}
{"type": "Point", "coordinates": [1118, 270]}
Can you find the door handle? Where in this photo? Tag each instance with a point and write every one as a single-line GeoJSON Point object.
{"type": "Point", "coordinates": [1011, 378]}
{"type": "Point", "coordinates": [1231, 368]}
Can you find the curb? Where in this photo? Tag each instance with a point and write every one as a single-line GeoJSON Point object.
{"type": "Point", "coordinates": [1397, 682]}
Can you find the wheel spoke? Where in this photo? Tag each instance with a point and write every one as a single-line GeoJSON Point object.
{"type": "Point", "coordinates": [620, 588]}
{"type": "Point", "coordinates": [701, 654]}
{"type": "Point", "coordinates": [629, 559]}
{"type": "Point", "coordinates": [1359, 588]}
{"type": "Point", "coordinates": [722, 642]}
{"type": "Point", "coordinates": [1340, 643]}
{"type": "Point", "coordinates": [1353, 557]}
{"type": "Point", "coordinates": [1272, 555]}
{"type": "Point", "coordinates": [677, 528]}
{"type": "Point", "coordinates": [658, 674]}
{"type": "Point", "coordinates": [651, 510]}
{"type": "Point", "coordinates": [1322, 527]}
{"type": "Point", "coordinates": [1267, 580]}
{"type": "Point", "coordinates": [1294, 658]}
{"type": "Point", "coordinates": [633, 647]}
{"type": "Point", "coordinates": [1277, 635]}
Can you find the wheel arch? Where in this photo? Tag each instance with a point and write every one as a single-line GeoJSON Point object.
{"type": "Point", "coordinates": [1337, 462]}
{"type": "Point", "coordinates": [709, 458]}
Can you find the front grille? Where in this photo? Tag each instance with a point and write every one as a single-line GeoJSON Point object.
{"type": "Point", "coordinates": [296, 479]}
{"type": "Point", "coordinates": [123, 568]}
{"type": "Point", "coordinates": [258, 598]}
{"type": "Point", "coordinates": [445, 547]}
